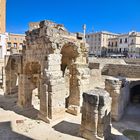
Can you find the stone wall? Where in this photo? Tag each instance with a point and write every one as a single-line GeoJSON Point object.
{"type": "Point", "coordinates": [1, 72]}
{"type": "Point", "coordinates": [12, 67]}
{"type": "Point", "coordinates": [129, 71]}
{"type": "Point", "coordinates": [96, 120]}
{"type": "Point", "coordinates": [132, 61]}
{"type": "Point", "coordinates": [96, 79]}
{"type": "Point", "coordinates": [119, 91]}
{"type": "Point", "coordinates": [105, 61]}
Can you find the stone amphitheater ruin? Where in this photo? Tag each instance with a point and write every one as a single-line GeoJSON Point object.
{"type": "Point", "coordinates": [56, 63]}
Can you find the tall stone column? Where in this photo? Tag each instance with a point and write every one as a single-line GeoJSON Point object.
{"type": "Point", "coordinates": [25, 91]}
{"type": "Point", "coordinates": [104, 118]}
{"type": "Point", "coordinates": [89, 122]}
{"type": "Point", "coordinates": [43, 112]}
{"type": "Point", "coordinates": [79, 82]}
{"type": "Point", "coordinates": [10, 82]}
{"type": "Point", "coordinates": [114, 86]}
{"type": "Point", "coordinates": [53, 92]}
{"type": "Point", "coordinates": [95, 110]}
{"type": "Point", "coordinates": [74, 97]}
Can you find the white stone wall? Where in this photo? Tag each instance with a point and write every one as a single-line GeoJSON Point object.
{"type": "Point", "coordinates": [98, 40]}
{"type": "Point", "coordinates": [3, 45]}
{"type": "Point", "coordinates": [128, 42]}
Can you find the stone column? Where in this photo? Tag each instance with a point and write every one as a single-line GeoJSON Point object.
{"type": "Point", "coordinates": [53, 92]}
{"type": "Point", "coordinates": [25, 91]}
{"type": "Point", "coordinates": [89, 122]}
{"type": "Point", "coordinates": [104, 118]}
{"type": "Point", "coordinates": [95, 110]}
{"type": "Point", "coordinates": [114, 87]}
{"type": "Point", "coordinates": [10, 82]}
{"type": "Point", "coordinates": [79, 82]}
{"type": "Point", "coordinates": [43, 112]}
{"type": "Point", "coordinates": [74, 97]}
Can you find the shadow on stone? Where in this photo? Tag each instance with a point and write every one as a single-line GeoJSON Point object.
{"type": "Point", "coordinates": [6, 133]}
{"type": "Point", "coordinates": [118, 137]}
{"type": "Point", "coordinates": [68, 128]}
{"type": "Point", "coordinates": [10, 103]}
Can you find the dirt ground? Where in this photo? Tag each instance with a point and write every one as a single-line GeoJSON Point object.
{"type": "Point", "coordinates": [18, 124]}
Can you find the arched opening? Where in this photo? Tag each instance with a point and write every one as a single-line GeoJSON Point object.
{"type": "Point", "coordinates": [135, 94]}
{"type": "Point", "coordinates": [33, 72]}
{"type": "Point", "coordinates": [11, 74]}
{"type": "Point", "coordinates": [69, 55]}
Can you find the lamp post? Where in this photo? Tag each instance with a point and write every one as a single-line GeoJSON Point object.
{"type": "Point", "coordinates": [84, 30]}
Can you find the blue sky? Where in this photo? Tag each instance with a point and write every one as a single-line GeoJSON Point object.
{"type": "Point", "coordinates": [118, 16]}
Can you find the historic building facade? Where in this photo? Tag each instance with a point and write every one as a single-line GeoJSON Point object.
{"type": "Point", "coordinates": [3, 38]}
{"type": "Point", "coordinates": [14, 43]}
{"type": "Point", "coordinates": [2, 16]}
{"type": "Point", "coordinates": [127, 44]}
{"type": "Point", "coordinates": [105, 43]}
{"type": "Point", "coordinates": [3, 35]}
{"type": "Point", "coordinates": [98, 42]}
{"type": "Point", "coordinates": [9, 42]}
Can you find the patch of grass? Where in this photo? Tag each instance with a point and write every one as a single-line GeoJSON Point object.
{"type": "Point", "coordinates": [132, 134]}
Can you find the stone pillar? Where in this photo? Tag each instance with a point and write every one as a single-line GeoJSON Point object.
{"type": "Point", "coordinates": [10, 82]}
{"type": "Point", "coordinates": [115, 87]}
{"type": "Point", "coordinates": [79, 82]}
{"type": "Point", "coordinates": [43, 112]}
{"type": "Point", "coordinates": [95, 110]}
{"type": "Point", "coordinates": [53, 92]}
{"type": "Point", "coordinates": [25, 91]}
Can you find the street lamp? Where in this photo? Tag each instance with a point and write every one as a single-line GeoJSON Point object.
{"type": "Point", "coordinates": [84, 30]}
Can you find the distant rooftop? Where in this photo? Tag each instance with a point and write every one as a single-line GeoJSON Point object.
{"type": "Point", "coordinates": [16, 34]}
{"type": "Point", "coordinates": [102, 32]}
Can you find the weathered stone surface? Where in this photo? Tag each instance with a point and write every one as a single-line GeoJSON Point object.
{"type": "Point", "coordinates": [130, 71]}
{"type": "Point", "coordinates": [119, 91]}
{"type": "Point", "coordinates": [96, 119]}
{"type": "Point", "coordinates": [55, 62]}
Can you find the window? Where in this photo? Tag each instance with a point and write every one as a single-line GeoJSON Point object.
{"type": "Point", "coordinates": [9, 44]}
{"type": "Point", "coordinates": [132, 41]}
{"type": "Point", "coordinates": [21, 45]}
{"type": "Point", "coordinates": [125, 40]}
{"type": "Point", "coordinates": [15, 45]}
{"type": "Point", "coordinates": [120, 41]}
{"type": "Point", "coordinates": [109, 44]}
{"type": "Point", "coordinates": [120, 50]}
{"type": "Point", "coordinates": [112, 44]}
{"type": "Point", "coordinates": [116, 44]}
{"type": "Point", "coordinates": [0, 51]}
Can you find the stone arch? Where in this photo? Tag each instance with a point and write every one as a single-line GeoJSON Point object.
{"type": "Point", "coordinates": [135, 92]}
{"type": "Point", "coordinates": [49, 44]}
{"type": "Point", "coordinates": [75, 62]}
{"type": "Point", "coordinates": [11, 75]}
{"type": "Point", "coordinates": [29, 81]}
{"type": "Point", "coordinates": [69, 54]}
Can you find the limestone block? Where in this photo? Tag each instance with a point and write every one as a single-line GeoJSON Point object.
{"type": "Point", "coordinates": [95, 110]}
{"type": "Point", "coordinates": [114, 86]}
